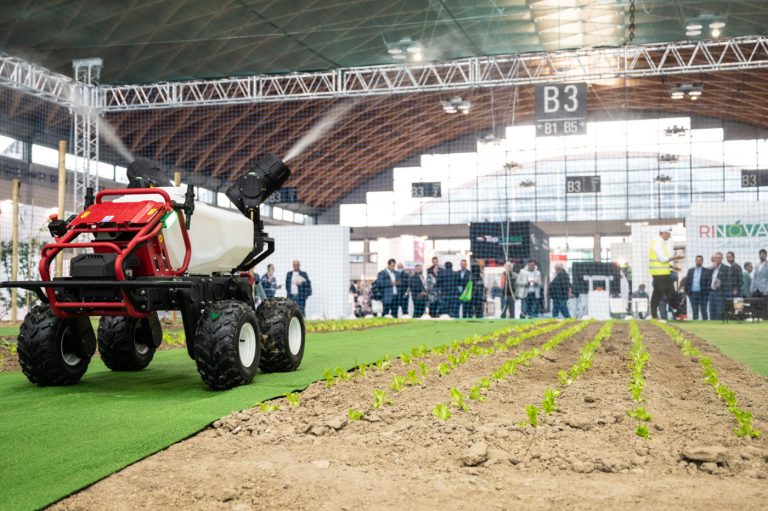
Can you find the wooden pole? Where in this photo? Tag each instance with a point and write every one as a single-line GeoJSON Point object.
{"type": "Point", "coordinates": [28, 294]}
{"type": "Point", "coordinates": [15, 246]}
{"type": "Point", "coordinates": [62, 199]}
{"type": "Point", "coordinates": [176, 182]}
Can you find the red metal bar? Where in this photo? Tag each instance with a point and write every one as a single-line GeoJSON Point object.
{"type": "Point", "coordinates": [134, 191]}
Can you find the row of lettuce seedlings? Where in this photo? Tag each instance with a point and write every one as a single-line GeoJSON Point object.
{"type": "Point", "coordinates": [743, 418]}
{"type": "Point", "coordinates": [639, 359]}
{"type": "Point", "coordinates": [507, 370]}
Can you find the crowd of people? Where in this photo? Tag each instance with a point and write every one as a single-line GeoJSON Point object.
{"type": "Point", "coordinates": [441, 290]}
{"type": "Point", "coordinates": [706, 287]}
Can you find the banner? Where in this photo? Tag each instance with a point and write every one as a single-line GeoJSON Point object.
{"type": "Point", "coordinates": [726, 226]}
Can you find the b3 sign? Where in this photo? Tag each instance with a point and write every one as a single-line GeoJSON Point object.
{"type": "Point", "coordinates": [561, 109]}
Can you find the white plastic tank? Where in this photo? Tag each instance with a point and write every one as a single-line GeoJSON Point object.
{"type": "Point", "coordinates": [220, 238]}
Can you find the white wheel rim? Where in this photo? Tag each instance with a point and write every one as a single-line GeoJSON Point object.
{"type": "Point", "coordinates": [294, 336]}
{"type": "Point", "coordinates": [69, 358]}
{"type": "Point", "coordinates": [246, 347]}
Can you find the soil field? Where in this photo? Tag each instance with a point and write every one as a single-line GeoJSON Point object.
{"type": "Point", "coordinates": [585, 455]}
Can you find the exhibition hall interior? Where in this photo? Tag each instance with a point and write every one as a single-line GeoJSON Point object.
{"type": "Point", "coordinates": [340, 251]}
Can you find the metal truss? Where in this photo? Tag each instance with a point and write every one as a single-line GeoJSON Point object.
{"type": "Point", "coordinates": [36, 80]}
{"type": "Point", "coordinates": [85, 129]}
{"type": "Point", "coordinates": [526, 69]}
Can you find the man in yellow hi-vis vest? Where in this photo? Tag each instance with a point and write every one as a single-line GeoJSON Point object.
{"type": "Point", "coordinates": [659, 260]}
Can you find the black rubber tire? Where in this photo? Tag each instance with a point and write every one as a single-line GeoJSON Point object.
{"type": "Point", "coordinates": [275, 316]}
{"type": "Point", "coordinates": [121, 343]}
{"type": "Point", "coordinates": [217, 341]}
{"type": "Point", "coordinates": [44, 342]}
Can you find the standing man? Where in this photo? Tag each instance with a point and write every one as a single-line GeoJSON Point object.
{"type": "Point", "coordinates": [698, 283]}
{"type": "Point", "coordinates": [529, 289]}
{"type": "Point", "coordinates": [759, 285]}
{"type": "Point", "coordinates": [402, 278]}
{"type": "Point", "coordinates": [735, 278]}
{"type": "Point", "coordinates": [659, 259]}
{"type": "Point", "coordinates": [508, 283]}
{"type": "Point", "coordinates": [433, 273]}
{"type": "Point", "coordinates": [719, 286]}
{"type": "Point", "coordinates": [298, 286]}
{"type": "Point", "coordinates": [463, 278]}
{"type": "Point", "coordinates": [388, 286]}
{"type": "Point", "coordinates": [417, 284]}
{"type": "Point", "coordinates": [269, 282]}
{"type": "Point", "coordinates": [559, 290]}
{"type": "Point", "coordinates": [449, 294]}
{"type": "Point", "coordinates": [746, 280]}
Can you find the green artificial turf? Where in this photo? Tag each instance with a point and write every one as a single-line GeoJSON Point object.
{"type": "Point", "coordinates": [745, 342]}
{"type": "Point", "coordinates": [56, 440]}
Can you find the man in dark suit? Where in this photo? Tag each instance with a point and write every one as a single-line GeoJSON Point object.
{"type": "Point", "coordinates": [735, 278]}
{"type": "Point", "coordinates": [402, 277]}
{"type": "Point", "coordinates": [463, 278]}
{"type": "Point", "coordinates": [449, 295]}
{"type": "Point", "coordinates": [718, 287]}
{"type": "Point", "coordinates": [389, 288]}
{"type": "Point", "coordinates": [417, 284]}
{"type": "Point", "coordinates": [433, 274]}
{"type": "Point", "coordinates": [698, 284]}
{"type": "Point", "coordinates": [298, 286]}
{"type": "Point", "coordinates": [559, 291]}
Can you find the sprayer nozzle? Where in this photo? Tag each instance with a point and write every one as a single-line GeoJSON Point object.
{"type": "Point", "coordinates": [252, 189]}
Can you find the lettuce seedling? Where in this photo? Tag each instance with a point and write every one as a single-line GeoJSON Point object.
{"type": "Point", "coordinates": [380, 399]}
{"type": "Point", "coordinates": [412, 378]}
{"type": "Point", "coordinates": [342, 375]}
{"type": "Point", "coordinates": [405, 358]}
{"type": "Point", "coordinates": [268, 407]}
{"type": "Point", "coordinates": [476, 394]}
{"type": "Point", "coordinates": [549, 404]}
{"type": "Point", "coordinates": [443, 369]}
{"type": "Point", "coordinates": [397, 383]}
{"type": "Point", "coordinates": [640, 414]}
{"type": "Point", "coordinates": [361, 370]}
{"type": "Point", "coordinates": [441, 411]}
{"type": "Point", "coordinates": [485, 383]}
{"type": "Point", "coordinates": [563, 378]}
{"type": "Point", "coordinates": [642, 431]}
{"type": "Point", "coordinates": [354, 415]}
{"type": "Point", "coordinates": [328, 375]}
{"type": "Point", "coordinates": [423, 368]}
{"type": "Point", "coordinates": [454, 361]}
{"type": "Point", "coordinates": [293, 398]}
{"type": "Point", "coordinates": [533, 415]}
{"type": "Point", "coordinates": [457, 398]}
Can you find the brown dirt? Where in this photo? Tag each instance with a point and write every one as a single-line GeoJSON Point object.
{"type": "Point", "coordinates": [585, 456]}
{"type": "Point", "coordinates": [8, 361]}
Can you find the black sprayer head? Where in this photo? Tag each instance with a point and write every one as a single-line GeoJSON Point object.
{"type": "Point", "coordinates": [252, 189]}
{"type": "Point", "coordinates": [146, 173]}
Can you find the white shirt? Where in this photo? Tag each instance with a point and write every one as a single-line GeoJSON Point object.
{"type": "Point", "coordinates": [296, 281]}
{"type": "Point", "coordinates": [715, 272]}
{"type": "Point", "coordinates": [393, 278]}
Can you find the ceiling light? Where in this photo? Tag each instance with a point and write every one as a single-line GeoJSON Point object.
{"type": "Point", "coordinates": [693, 33]}
{"type": "Point", "coordinates": [717, 25]}
{"type": "Point", "coordinates": [715, 32]}
{"type": "Point", "coordinates": [414, 48]}
{"type": "Point", "coordinates": [678, 95]}
{"type": "Point", "coordinates": [694, 25]}
{"type": "Point", "coordinates": [456, 104]}
{"type": "Point", "coordinates": [394, 50]}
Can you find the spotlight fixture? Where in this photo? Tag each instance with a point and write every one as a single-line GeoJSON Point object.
{"type": "Point", "coordinates": [668, 158]}
{"type": "Point", "coordinates": [405, 48]}
{"type": "Point", "coordinates": [455, 105]}
{"type": "Point", "coordinates": [675, 130]}
{"type": "Point", "coordinates": [663, 178]}
{"type": "Point", "coordinates": [511, 165]}
{"type": "Point", "coordinates": [681, 90]}
{"type": "Point", "coordinates": [694, 27]}
{"type": "Point", "coordinates": [527, 184]}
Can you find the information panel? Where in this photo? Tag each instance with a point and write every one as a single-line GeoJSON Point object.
{"type": "Point", "coordinates": [285, 195]}
{"type": "Point", "coordinates": [754, 178]}
{"type": "Point", "coordinates": [561, 109]}
{"type": "Point", "coordinates": [582, 184]}
{"type": "Point", "coordinates": [425, 190]}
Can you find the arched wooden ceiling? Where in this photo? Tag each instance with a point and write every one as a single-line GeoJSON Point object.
{"type": "Point", "coordinates": [379, 132]}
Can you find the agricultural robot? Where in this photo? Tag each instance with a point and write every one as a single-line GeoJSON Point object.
{"type": "Point", "coordinates": [152, 247]}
